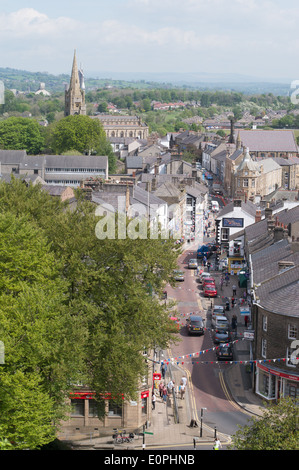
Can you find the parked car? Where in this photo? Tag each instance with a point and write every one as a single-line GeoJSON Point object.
{"type": "Point", "coordinates": [203, 276]}
{"type": "Point", "coordinates": [192, 264]}
{"type": "Point", "coordinates": [221, 322]}
{"type": "Point", "coordinates": [208, 281]}
{"type": "Point", "coordinates": [179, 275]}
{"type": "Point", "coordinates": [224, 352]}
{"type": "Point", "coordinates": [221, 335]}
{"type": "Point", "coordinates": [195, 325]}
{"type": "Point", "coordinates": [217, 312]}
{"type": "Point", "coordinates": [210, 291]}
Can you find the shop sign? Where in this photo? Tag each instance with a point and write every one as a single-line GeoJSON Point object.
{"type": "Point", "coordinates": [294, 378]}
{"type": "Point", "coordinates": [156, 376]}
{"type": "Point", "coordinates": [249, 334]}
{"type": "Point", "coordinates": [145, 394]}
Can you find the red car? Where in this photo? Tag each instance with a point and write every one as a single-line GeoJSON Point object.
{"type": "Point", "coordinates": [210, 291]}
{"type": "Point", "coordinates": [208, 281]}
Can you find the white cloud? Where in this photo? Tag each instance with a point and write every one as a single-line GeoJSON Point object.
{"type": "Point", "coordinates": [30, 22]}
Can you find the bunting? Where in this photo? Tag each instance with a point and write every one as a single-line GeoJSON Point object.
{"type": "Point", "coordinates": [185, 359]}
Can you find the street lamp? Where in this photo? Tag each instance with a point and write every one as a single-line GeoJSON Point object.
{"type": "Point", "coordinates": [201, 416]}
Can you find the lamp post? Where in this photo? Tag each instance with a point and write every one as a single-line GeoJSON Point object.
{"type": "Point", "coordinates": [201, 416]}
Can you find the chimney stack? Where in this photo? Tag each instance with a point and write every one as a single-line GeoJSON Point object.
{"type": "Point", "coordinates": [258, 215]}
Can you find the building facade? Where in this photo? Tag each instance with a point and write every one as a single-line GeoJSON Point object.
{"type": "Point", "coordinates": [123, 126]}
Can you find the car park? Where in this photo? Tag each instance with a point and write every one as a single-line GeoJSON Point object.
{"type": "Point", "coordinates": [179, 275]}
{"type": "Point", "coordinates": [224, 352]}
{"type": "Point", "coordinates": [221, 335]}
{"type": "Point", "coordinates": [210, 291]}
{"type": "Point", "coordinates": [192, 264]}
{"type": "Point", "coordinates": [195, 325]}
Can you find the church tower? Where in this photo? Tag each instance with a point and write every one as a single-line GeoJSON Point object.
{"type": "Point", "coordinates": [75, 92]}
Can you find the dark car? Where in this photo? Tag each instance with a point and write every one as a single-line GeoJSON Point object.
{"type": "Point", "coordinates": [221, 335]}
{"type": "Point", "coordinates": [195, 325]}
{"type": "Point", "coordinates": [224, 352]}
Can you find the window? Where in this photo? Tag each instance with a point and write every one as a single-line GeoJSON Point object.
{"type": "Point", "coordinates": [291, 361]}
{"type": "Point", "coordinates": [114, 409]}
{"type": "Point", "coordinates": [224, 233]}
{"type": "Point", "coordinates": [265, 320]}
{"type": "Point", "coordinates": [245, 183]}
{"type": "Point", "coordinates": [92, 409]}
{"type": "Point", "coordinates": [77, 407]}
{"type": "Point", "coordinates": [253, 183]}
{"type": "Point", "coordinates": [264, 348]}
{"type": "Point", "coordinates": [292, 331]}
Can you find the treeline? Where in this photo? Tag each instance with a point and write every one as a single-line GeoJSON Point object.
{"type": "Point", "coordinates": [126, 98]}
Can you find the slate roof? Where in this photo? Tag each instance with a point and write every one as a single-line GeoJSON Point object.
{"type": "Point", "coordinates": [280, 293]}
{"type": "Point", "coordinates": [134, 163]}
{"type": "Point", "coordinates": [269, 141]}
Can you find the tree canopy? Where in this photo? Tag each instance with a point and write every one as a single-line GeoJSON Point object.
{"type": "Point", "coordinates": [73, 309]}
{"type": "Point", "coordinates": [276, 429]}
{"type": "Point", "coordinates": [17, 133]}
{"type": "Point", "coordinates": [81, 133]}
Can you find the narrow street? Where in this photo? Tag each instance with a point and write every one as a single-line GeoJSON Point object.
{"type": "Point", "coordinates": [196, 354]}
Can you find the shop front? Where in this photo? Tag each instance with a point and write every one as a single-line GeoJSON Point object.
{"type": "Point", "coordinates": [273, 384]}
{"type": "Point", "coordinates": [118, 413]}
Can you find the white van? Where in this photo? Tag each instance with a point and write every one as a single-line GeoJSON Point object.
{"type": "Point", "coordinates": [215, 206]}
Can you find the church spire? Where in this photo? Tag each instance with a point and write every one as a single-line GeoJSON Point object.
{"type": "Point", "coordinates": [75, 95]}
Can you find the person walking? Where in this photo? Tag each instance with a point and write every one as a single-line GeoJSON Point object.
{"type": "Point", "coordinates": [164, 394]}
{"type": "Point", "coordinates": [153, 401]}
{"type": "Point", "coordinates": [217, 444]}
{"type": "Point", "coordinates": [161, 386]}
{"type": "Point", "coordinates": [234, 290]}
{"type": "Point", "coordinates": [170, 386]}
{"type": "Point", "coordinates": [183, 390]}
{"type": "Point", "coordinates": [163, 369]}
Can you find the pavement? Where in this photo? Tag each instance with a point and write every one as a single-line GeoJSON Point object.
{"type": "Point", "coordinates": [171, 423]}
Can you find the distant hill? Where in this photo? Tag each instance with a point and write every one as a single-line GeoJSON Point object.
{"type": "Point", "coordinates": [23, 80]}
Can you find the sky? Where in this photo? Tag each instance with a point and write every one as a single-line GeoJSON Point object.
{"type": "Point", "coordinates": [257, 38]}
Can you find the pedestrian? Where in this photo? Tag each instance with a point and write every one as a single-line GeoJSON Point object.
{"type": "Point", "coordinates": [161, 386]}
{"type": "Point", "coordinates": [184, 380]}
{"type": "Point", "coordinates": [234, 322]}
{"type": "Point", "coordinates": [246, 320]}
{"type": "Point", "coordinates": [227, 278]}
{"type": "Point", "coordinates": [170, 386]}
{"type": "Point", "coordinates": [233, 302]}
{"type": "Point", "coordinates": [153, 401]}
{"type": "Point", "coordinates": [221, 282]}
{"type": "Point", "coordinates": [208, 265]}
{"type": "Point", "coordinates": [204, 260]}
{"type": "Point", "coordinates": [234, 290]}
{"type": "Point", "coordinates": [217, 444]}
{"type": "Point", "coordinates": [183, 390]}
{"type": "Point", "coordinates": [163, 370]}
{"type": "Point", "coordinates": [164, 394]}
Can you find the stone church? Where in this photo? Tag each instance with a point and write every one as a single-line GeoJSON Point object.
{"type": "Point", "coordinates": [75, 92]}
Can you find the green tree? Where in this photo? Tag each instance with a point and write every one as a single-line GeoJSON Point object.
{"type": "Point", "coordinates": [18, 133]}
{"type": "Point", "coordinates": [81, 133]}
{"type": "Point", "coordinates": [74, 307]}
{"type": "Point", "coordinates": [276, 429]}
